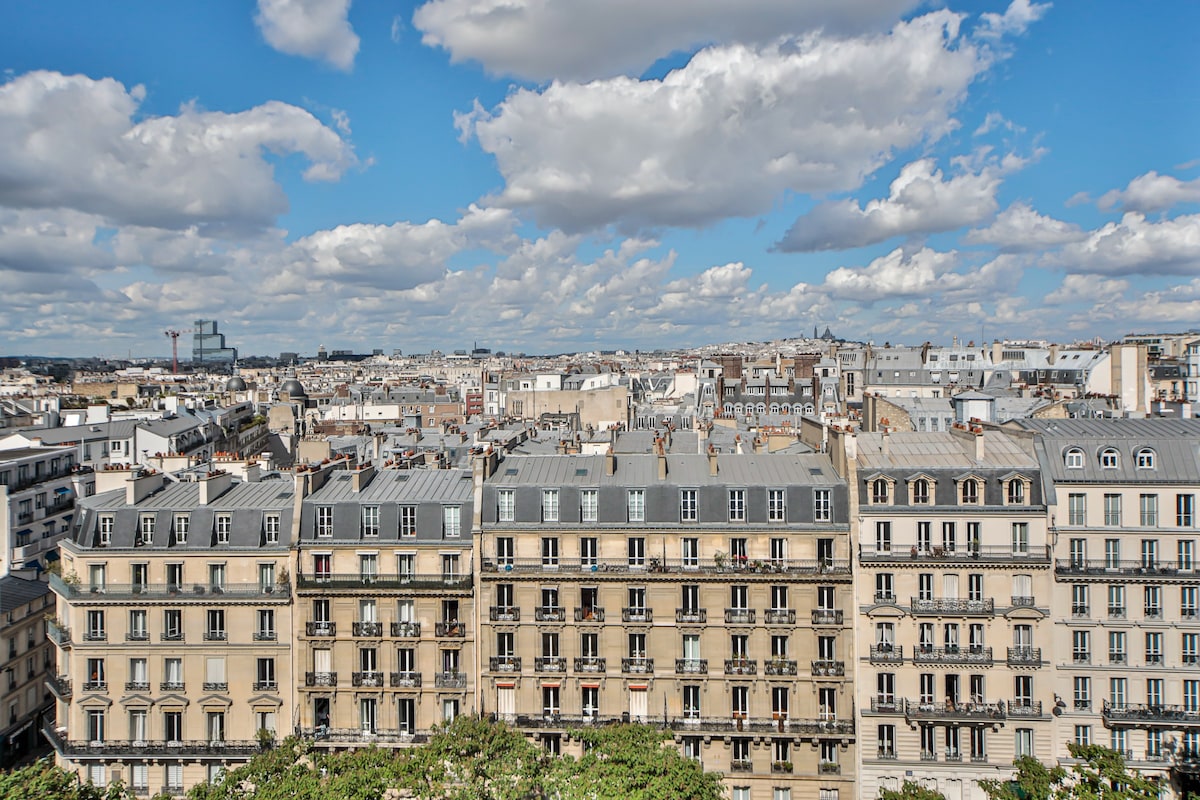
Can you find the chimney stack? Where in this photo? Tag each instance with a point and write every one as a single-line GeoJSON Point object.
{"type": "Point", "coordinates": [661, 459]}
{"type": "Point", "coordinates": [712, 461]}
{"type": "Point", "coordinates": [213, 485]}
{"type": "Point", "coordinates": [610, 462]}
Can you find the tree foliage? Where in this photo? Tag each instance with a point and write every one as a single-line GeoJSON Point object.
{"type": "Point", "coordinates": [1098, 773]}
{"type": "Point", "coordinates": [474, 759]}
{"type": "Point", "coordinates": [911, 790]}
{"type": "Point", "coordinates": [44, 780]}
{"type": "Point", "coordinates": [634, 762]}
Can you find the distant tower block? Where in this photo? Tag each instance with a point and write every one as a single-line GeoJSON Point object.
{"type": "Point", "coordinates": [208, 346]}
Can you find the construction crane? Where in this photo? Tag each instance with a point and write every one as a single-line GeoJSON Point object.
{"type": "Point", "coordinates": [174, 336]}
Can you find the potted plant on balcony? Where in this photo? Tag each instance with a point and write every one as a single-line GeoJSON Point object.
{"type": "Point", "coordinates": [719, 561]}
{"type": "Point", "coordinates": [265, 738]}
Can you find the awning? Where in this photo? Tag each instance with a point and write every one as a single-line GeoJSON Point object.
{"type": "Point", "coordinates": [20, 730]}
{"type": "Point", "coordinates": [24, 531]}
{"type": "Point", "coordinates": [62, 490]}
{"type": "Point", "coordinates": [52, 555]}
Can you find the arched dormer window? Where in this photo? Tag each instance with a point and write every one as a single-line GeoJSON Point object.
{"type": "Point", "coordinates": [969, 491]}
{"type": "Point", "coordinates": [1015, 492]}
{"type": "Point", "coordinates": [1073, 458]}
{"type": "Point", "coordinates": [1110, 458]}
{"type": "Point", "coordinates": [881, 493]}
{"type": "Point", "coordinates": [920, 491]}
{"type": "Point", "coordinates": [1144, 458]}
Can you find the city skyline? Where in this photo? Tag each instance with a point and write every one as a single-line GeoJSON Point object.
{"type": "Point", "coordinates": [368, 174]}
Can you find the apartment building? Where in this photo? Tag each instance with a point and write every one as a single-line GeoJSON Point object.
{"type": "Point", "coordinates": [708, 594]}
{"type": "Point", "coordinates": [24, 660]}
{"type": "Point", "coordinates": [953, 587]}
{"type": "Point", "coordinates": [173, 628]}
{"type": "Point", "coordinates": [1126, 601]}
{"type": "Point", "coordinates": [384, 631]}
{"type": "Point", "coordinates": [38, 488]}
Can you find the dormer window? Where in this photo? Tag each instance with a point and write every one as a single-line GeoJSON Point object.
{"type": "Point", "coordinates": [1073, 458]}
{"type": "Point", "coordinates": [881, 491]}
{"type": "Point", "coordinates": [1015, 492]}
{"type": "Point", "coordinates": [969, 489]}
{"type": "Point", "coordinates": [920, 491]}
{"type": "Point", "coordinates": [1144, 458]}
{"type": "Point", "coordinates": [182, 522]}
{"type": "Point", "coordinates": [106, 529]}
{"type": "Point", "coordinates": [224, 522]}
{"type": "Point", "coordinates": [1109, 458]}
{"type": "Point", "coordinates": [145, 529]}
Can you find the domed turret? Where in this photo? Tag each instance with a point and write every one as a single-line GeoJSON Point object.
{"type": "Point", "coordinates": [293, 388]}
{"type": "Point", "coordinates": [235, 384]}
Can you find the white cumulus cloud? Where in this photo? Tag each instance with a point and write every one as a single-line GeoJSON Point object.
{"type": "Point", "coordinates": [68, 141]}
{"type": "Point", "coordinates": [1135, 246]}
{"type": "Point", "coordinates": [1151, 192]}
{"type": "Point", "coordinates": [1019, 229]}
{"type": "Point", "coordinates": [1019, 15]}
{"type": "Point", "coordinates": [920, 201]}
{"type": "Point", "coordinates": [570, 40]}
{"type": "Point", "coordinates": [725, 135]}
{"type": "Point", "coordinates": [318, 29]}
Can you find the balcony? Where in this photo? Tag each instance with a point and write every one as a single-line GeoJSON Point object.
{"type": "Point", "coordinates": [405, 680]}
{"type": "Point", "coordinates": [883, 598]}
{"type": "Point", "coordinates": [741, 666]}
{"type": "Point", "coordinates": [216, 686]}
{"type": "Point", "coordinates": [952, 654]}
{"type": "Point", "coordinates": [59, 684]}
{"type": "Point", "coordinates": [143, 686]}
{"type": "Point", "coordinates": [952, 605]}
{"type": "Point", "coordinates": [549, 664]}
{"type": "Point", "coordinates": [631, 614]}
{"type": "Point", "coordinates": [828, 668]}
{"type": "Point", "coordinates": [1021, 601]}
{"type": "Point", "coordinates": [320, 679]}
{"type": "Point", "coordinates": [504, 663]}
{"type": "Point", "coordinates": [449, 680]}
{"type": "Point", "coordinates": [1150, 715]}
{"type": "Point", "coordinates": [589, 614]}
{"type": "Point", "coordinates": [265, 636]}
{"type": "Point", "coordinates": [325, 583]}
{"type": "Point", "coordinates": [370, 629]}
{"type": "Point", "coordinates": [595, 664]}
{"type": "Point", "coordinates": [637, 666]}
{"type": "Point", "coordinates": [1106, 568]}
{"type": "Point", "coordinates": [406, 630]}
{"type": "Point", "coordinates": [58, 633]}
{"type": "Point", "coordinates": [928, 556]}
{"type": "Point", "coordinates": [739, 616]}
{"type": "Point", "coordinates": [791, 567]}
{"type": "Point", "coordinates": [780, 666]}
{"type": "Point", "coordinates": [366, 679]}
{"type": "Point", "coordinates": [826, 616]}
{"type": "Point", "coordinates": [93, 686]}
{"type": "Point", "coordinates": [266, 686]}
{"type": "Point", "coordinates": [781, 767]}
{"type": "Point", "coordinates": [1116, 612]}
{"type": "Point", "coordinates": [216, 636]}
{"type": "Point", "coordinates": [450, 630]}
{"type": "Point", "coordinates": [779, 616]}
{"type": "Point", "coordinates": [172, 686]}
{"type": "Point", "coordinates": [176, 593]}
{"type": "Point", "coordinates": [885, 704]}
{"type": "Point", "coordinates": [171, 636]}
{"type": "Point", "coordinates": [550, 614]}
{"type": "Point", "coordinates": [1024, 708]}
{"type": "Point", "coordinates": [1024, 656]}
{"type": "Point", "coordinates": [504, 614]}
{"type": "Point", "coordinates": [886, 654]}
{"type": "Point", "coordinates": [339, 737]}
{"type": "Point", "coordinates": [741, 765]}
{"type": "Point", "coordinates": [829, 768]}
{"type": "Point", "coordinates": [94, 636]}
{"type": "Point", "coordinates": [321, 627]}
{"type": "Point", "coordinates": [122, 749]}
{"type": "Point", "coordinates": [137, 636]}
{"type": "Point", "coordinates": [1080, 612]}
{"type": "Point", "coordinates": [886, 754]}
{"type": "Point", "coordinates": [691, 615]}
{"type": "Point", "coordinates": [951, 711]}
{"type": "Point", "coordinates": [691, 666]}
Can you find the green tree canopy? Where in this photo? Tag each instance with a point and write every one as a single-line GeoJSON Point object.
{"type": "Point", "coordinates": [1099, 773]}
{"type": "Point", "coordinates": [911, 790]}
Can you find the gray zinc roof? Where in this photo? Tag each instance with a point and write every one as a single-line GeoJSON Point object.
{"type": "Point", "coordinates": [684, 470]}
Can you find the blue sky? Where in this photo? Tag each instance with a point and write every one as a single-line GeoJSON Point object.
{"type": "Point", "coordinates": [555, 175]}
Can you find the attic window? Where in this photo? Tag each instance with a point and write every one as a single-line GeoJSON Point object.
{"type": "Point", "coordinates": [510, 471]}
{"type": "Point", "coordinates": [581, 472]}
